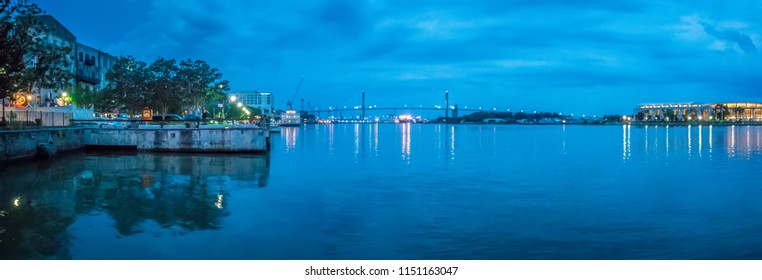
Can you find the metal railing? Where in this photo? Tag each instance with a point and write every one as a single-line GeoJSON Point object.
{"type": "Point", "coordinates": [30, 118]}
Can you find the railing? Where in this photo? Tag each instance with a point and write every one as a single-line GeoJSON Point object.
{"type": "Point", "coordinates": [29, 118]}
{"type": "Point", "coordinates": [174, 124]}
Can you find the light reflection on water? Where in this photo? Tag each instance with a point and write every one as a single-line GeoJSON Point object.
{"type": "Point", "coordinates": [386, 191]}
{"type": "Point", "coordinates": [737, 141]}
{"type": "Point", "coordinates": [179, 193]}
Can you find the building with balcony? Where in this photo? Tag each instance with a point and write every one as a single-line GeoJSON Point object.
{"type": "Point", "coordinates": [56, 34]}
{"type": "Point", "coordinates": [92, 66]}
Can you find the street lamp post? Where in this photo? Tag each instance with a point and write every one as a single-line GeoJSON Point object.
{"type": "Point", "coordinates": [233, 98]}
{"type": "Point", "coordinates": [65, 95]}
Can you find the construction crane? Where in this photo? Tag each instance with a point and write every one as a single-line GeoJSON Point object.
{"type": "Point", "coordinates": [295, 93]}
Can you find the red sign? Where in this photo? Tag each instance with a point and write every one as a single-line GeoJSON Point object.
{"type": "Point", "coordinates": [146, 116]}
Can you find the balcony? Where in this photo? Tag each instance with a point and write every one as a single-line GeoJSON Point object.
{"type": "Point", "coordinates": [81, 77]}
{"type": "Point", "coordinates": [90, 61]}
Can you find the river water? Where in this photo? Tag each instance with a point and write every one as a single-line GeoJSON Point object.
{"type": "Point", "coordinates": [403, 191]}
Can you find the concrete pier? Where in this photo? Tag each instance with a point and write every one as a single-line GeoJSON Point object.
{"type": "Point", "coordinates": [46, 143]}
{"type": "Point", "coordinates": [205, 140]}
{"type": "Point", "coordinates": [21, 144]}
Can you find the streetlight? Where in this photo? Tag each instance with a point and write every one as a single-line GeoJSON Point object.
{"type": "Point", "coordinates": [232, 98]}
{"type": "Point", "coordinates": [65, 95]}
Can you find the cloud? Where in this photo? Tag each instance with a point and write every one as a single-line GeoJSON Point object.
{"type": "Point", "coordinates": [487, 52]}
{"type": "Point", "coordinates": [731, 35]}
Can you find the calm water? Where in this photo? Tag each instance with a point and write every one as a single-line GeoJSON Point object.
{"type": "Point", "coordinates": [403, 192]}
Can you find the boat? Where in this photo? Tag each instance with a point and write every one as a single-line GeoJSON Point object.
{"type": "Point", "coordinates": [405, 119]}
{"type": "Point", "coordinates": [291, 118]}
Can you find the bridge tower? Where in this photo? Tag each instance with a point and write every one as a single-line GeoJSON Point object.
{"type": "Point", "coordinates": [363, 105]}
{"type": "Point", "coordinates": [447, 104]}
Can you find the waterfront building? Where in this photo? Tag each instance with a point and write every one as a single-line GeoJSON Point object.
{"type": "Point", "coordinates": [107, 61]}
{"type": "Point", "coordinates": [88, 66]}
{"type": "Point", "coordinates": [55, 35]}
{"type": "Point", "coordinates": [261, 100]}
{"type": "Point", "coordinates": [88, 72]}
{"type": "Point", "coordinates": [92, 66]}
{"type": "Point", "coordinates": [691, 111]}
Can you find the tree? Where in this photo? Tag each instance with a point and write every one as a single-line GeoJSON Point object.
{"type": "Point", "coordinates": [720, 111]}
{"type": "Point", "coordinates": [164, 85]}
{"type": "Point", "coordinates": [83, 97]}
{"type": "Point", "coordinates": [19, 31]}
{"type": "Point", "coordinates": [127, 86]}
{"type": "Point", "coordinates": [668, 115]}
{"type": "Point", "coordinates": [47, 67]}
{"type": "Point", "coordinates": [738, 113]}
{"type": "Point", "coordinates": [640, 116]}
{"type": "Point", "coordinates": [200, 81]}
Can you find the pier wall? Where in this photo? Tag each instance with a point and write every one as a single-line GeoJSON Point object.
{"type": "Point", "coordinates": [231, 140]}
{"type": "Point", "coordinates": [20, 144]}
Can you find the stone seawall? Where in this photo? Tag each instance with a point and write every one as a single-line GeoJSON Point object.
{"type": "Point", "coordinates": [20, 144]}
{"type": "Point", "coordinates": [229, 140]}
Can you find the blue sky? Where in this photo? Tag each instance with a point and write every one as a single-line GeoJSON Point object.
{"type": "Point", "coordinates": [586, 56]}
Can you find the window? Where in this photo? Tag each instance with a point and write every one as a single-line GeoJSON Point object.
{"type": "Point", "coordinates": [80, 56]}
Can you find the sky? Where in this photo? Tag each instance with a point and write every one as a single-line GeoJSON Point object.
{"type": "Point", "coordinates": [584, 56]}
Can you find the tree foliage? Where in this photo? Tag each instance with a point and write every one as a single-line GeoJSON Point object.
{"type": "Point", "coordinates": [83, 97]}
{"type": "Point", "coordinates": [127, 86]}
{"type": "Point", "coordinates": [201, 81]}
{"type": "Point", "coordinates": [47, 67]}
{"type": "Point", "coordinates": [18, 33]}
{"type": "Point", "coordinates": [164, 85]}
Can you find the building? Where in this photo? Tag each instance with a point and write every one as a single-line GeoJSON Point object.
{"type": "Point", "coordinates": [261, 100]}
{"type": "Point", "coordinates": [56, 35]}
{"type": "Point", "coordinates": [107, 61]}
{"type": "Point", "coordinates": [88, 66]}
{"type": "Point", "coordinates": [88, 72]}
{"type": "Point", "coordinates": [92, 66]}
{"type": "Point", "coordinates": [693, 112]}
